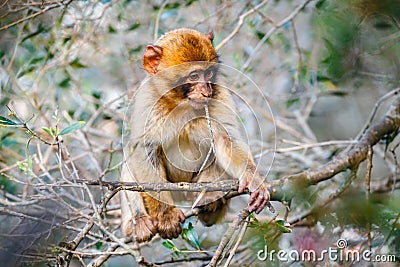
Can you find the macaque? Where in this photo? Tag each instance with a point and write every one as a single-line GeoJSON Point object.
{"type": "Point", "coordinates": [172, 139]}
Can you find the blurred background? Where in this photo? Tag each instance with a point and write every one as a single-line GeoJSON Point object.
{"type": "Point", "coordinates": [69, 68]}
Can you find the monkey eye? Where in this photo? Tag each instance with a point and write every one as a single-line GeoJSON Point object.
{"type": "Point", "coordinates": [194, 76]}
{"type": "Point", "coordinates": [209, 73]}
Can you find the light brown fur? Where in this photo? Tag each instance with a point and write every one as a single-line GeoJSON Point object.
{"type": "Point", "coordinates": [169, 139]}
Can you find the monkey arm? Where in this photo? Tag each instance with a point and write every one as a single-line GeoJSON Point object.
{"type": "Point", "coordinates": [235, 158]}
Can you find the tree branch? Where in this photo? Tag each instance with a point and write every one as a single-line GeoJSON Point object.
{"type": "Point", "coordinates": [284, 188]}
{"type": "Point", "coordinates": [240, 24]}
{"type": "Point", "coordinates": [40, 12]}
{"type": "Point", "coordinates": [227, 236]}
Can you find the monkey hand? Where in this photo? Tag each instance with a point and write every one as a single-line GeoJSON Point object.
{"type": "Point", "coordinates": [259, 195]}
{"type": "Point", "coordinates": [168, 223]}
{"type": "Point", "coordinates": [144, 229]}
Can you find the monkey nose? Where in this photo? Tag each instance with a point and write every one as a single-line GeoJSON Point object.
{"type": "Point", "coordinates": [206, 91]}
{"type": "Point", "coordinates": [206, 94]}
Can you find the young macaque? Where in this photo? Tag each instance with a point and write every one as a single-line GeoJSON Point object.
{"type": "Point", "coordinates": [172, 138]}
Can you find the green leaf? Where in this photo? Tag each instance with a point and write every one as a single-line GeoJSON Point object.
{"type": "Point", "coordinates": [39, 30]}
{"type": "Point", "coordinates": [65, 83]}
{"type": "Point", "coordinates": [5, 136]}
{"type": "Point", "coordinates": [330, 47]}
{"type": "Point", "coordinates": [261, 35]}
{"type": "Point", "coordinates": [111, 29]}
{"type": "Point", "coordinates": [26, 71]}
{"type": "Point", "coordinates": [73, 127]}
{"type": "Point", "coordinates": [30, 163]}
{"type": "Point", "coordinates": [76, 64]}
{"type": "Point", "coordinates": [66, 40]}
{"type": "Point", "coordinates": [169, 244]}
{"type": "Point", "coordinates": [237, 60]}
{"type": "Point", "coordinates": [189, 2]}
{"type": "Point", "coordinates": [292, 101]}
{"type": "Point", "coordinates": [170, 6]}
{"type": "Point", "coordinates": [191, 235]}
{"type": "Point", "coordinates": [97, 94]}
{"type": "Point", "coordinates": [8, 123]}
{"type": "Point", "coordinates": [55, 251]}
{"type": "Point", "coordinates": [36, 60]}
{"type": "Point", "coordinates": [99, 245]}
{"type": "Point", "coordinates": [26, 166]}
{"type": "Point", "coordinates": [253, 217]}
{"type": "Point", "coordinates": [48, 130]}
{"type": "Point", "coordinates": [135, 49]}
{"type": "Point", "coordinates": [280, 224]}
{"type": "Point", "coordinates": [134, 26]}
{"type": "Point", "coordinates": [339, 93]}
{"type": "Point", "coordinates": [320, 4]}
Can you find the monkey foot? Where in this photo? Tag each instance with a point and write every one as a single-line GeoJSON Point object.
{"type": "Point", "coordinates": [168, 223]}
{"type": "Point", "coordinates": [144, 229]}
{"type": "Point", "coordinates": [213, 211]}
{"type": "Point", "coordinates": [259, 199]}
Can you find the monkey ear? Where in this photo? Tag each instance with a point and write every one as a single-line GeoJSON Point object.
{"type": "Point", "coordinates": [210, 35]}
{"type": "Point", "coordinates": [151, 58]}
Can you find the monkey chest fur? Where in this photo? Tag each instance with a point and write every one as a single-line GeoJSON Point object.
{"type": "Point", "coordinates": [188, 152]}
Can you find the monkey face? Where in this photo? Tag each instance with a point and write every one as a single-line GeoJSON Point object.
{"type": "Point", "coordinates": [189, 83]}
{"type": "Point", "coordinates": [201, 90]}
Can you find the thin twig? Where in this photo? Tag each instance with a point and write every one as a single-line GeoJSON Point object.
{"type": "Point", "coordinates": [227, 236]}
{"type": "Point", "coordinates": [211, 150]}
{"type": "Point", "coordinates": [240, 24]}
{"type": "Point", "coordinates": [297, 76]}
{"type": "Point", "coordinates": [378, 103]}
{"type": "Point", "coordinates": [34, 15]}
{"type": "Point", "coordinates": [323, 203]}
{"type": "Point", "coordinates": [238, 241]}
{"type": "Point", "coordinates": [288, 18]}
{"type": "Point", "coordinates": [156, 26]}
{"type": "Point", "coordinates": [368, 191]}
{"type": "Point", "coordinates": [389, 124]}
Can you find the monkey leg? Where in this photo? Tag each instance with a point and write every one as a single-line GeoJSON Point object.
{"type": "Point", "coordinates": [145, 214]}
{"type": "Point", "coordinates": [134, 220]}
{"type": "Point", "coordinates": [212, 205]}
{"type": "Point", "coordinates": [167, 217]}
{"type": "Point", "coordinates": [214, 211]}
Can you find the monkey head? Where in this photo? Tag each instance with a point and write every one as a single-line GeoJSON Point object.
{"type": "Point", "coordinates": [187, 60]}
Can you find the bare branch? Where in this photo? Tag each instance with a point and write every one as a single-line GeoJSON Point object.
{"type": "Point", "coordinates": [38, 13]}
{"type": "Point", "coordinates": [275, 27]}
{"type": "Point", "coordinates": [227, 236]}
{"type": "Point", "coordinates": [240, 24]}
{"type": "Point", "coordinates": [389, 124]}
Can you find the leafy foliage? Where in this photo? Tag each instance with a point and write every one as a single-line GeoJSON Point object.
{"type": "Point", "coordinates": [347, 29]}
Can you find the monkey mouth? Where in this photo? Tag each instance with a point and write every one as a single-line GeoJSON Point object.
{"type": "Point", "coordinates": [198, 103]}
